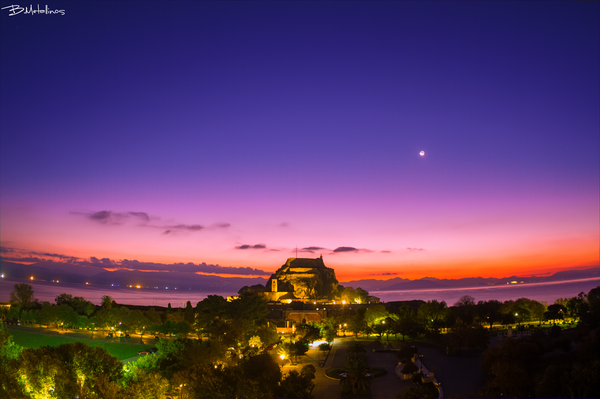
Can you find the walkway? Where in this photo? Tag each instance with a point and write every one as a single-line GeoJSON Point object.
{"type": "Point", "coordinates": [461, 376]}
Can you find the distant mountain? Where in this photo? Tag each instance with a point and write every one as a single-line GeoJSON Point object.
{"type": "Point", "coordinates": [397, 284]}
{"type": "Point", "coordinates": [125, 277]}
{"type": "Point", "coordinates": [68, 273]}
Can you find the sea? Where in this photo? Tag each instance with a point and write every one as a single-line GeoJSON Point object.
{"type": "Point", "coordinates": [543, 292]}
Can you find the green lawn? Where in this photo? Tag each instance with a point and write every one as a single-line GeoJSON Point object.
{"type": "Point", "coordinates": [32, 340]}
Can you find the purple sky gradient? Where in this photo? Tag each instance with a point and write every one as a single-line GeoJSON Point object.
{"type": "Point", "coordinates": [290, 124]}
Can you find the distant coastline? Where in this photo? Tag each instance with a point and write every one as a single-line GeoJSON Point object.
{"type": "Point", "coordinates": [541, 291]}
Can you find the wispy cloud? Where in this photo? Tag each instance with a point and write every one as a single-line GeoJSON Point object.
{"type": "Point", "coordinates": [51, 261]}
{"type": "Point", "coordinates": [193, 227]}
{"type": "Point", "coordinates": [20, 255]}
{"type": "Point", "coordinates": [312, 250]}
{"type": "Point", "coordinates": [220, 226]}
{"type": "Point", "coordinates": [256, 246]}
{"type": "Point", "coordinates": [5, 250]}
{"type": "Point", "coordinates": [142, 219]}
{"type": "Point", "coordinates": [114, 218]}
{"type": "Point", "coordinates": [350, 250]}
{"type": "Point", "coordinates": [415, 249]}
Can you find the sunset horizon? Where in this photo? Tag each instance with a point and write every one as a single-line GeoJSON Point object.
{"type": "Point", "coordinates": [395, 139]}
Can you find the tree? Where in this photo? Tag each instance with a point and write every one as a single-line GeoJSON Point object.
{"type": "Point", "coordinates": [510, 368]}
{"type": "Point", "coordinates": [374, 315]}
{"type": "Point", "coordinates": [63, 299]}
{"type": "Point", "coordinates": [554, 312]}
{"type": "Point", "coordinates": [209, 313]}
{"type": "Point", "coordinates": [141, 384]}
{"type": "Point", "coordinates": [362, 295]}
{"type": "Point", "coordinates": [356, 349]}
{"type": "Point", "coordinates": [410, 368]}
{"type": "Point", "coordinates": [297, 385]}
{"type": "Point", "coordinates": [65, 316]}
{"type": "Point", "coordinates": [432, 313]}
{"type": "Point", "coordinates": [357, 323]}
{"type": "Point", "coordinates": [107, 302]}
{"type": "Point", "coordinates": [22, 294]}
{"type": "Point", "coordinates": [189, 315]}
{"type": "Point", "coordinates": [489, 312]}
{"type": "Point", "coordinates": [8, 349]}
{"type": "Point", "coordinates": [464, 309]}
{"type": "Point", "coordinates": [357, 373]}
{"type": "Point", "coordinates": [69, 370]}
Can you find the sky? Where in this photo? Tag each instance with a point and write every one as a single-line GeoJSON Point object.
{"type": "Point", "coordinates": [230, 136]}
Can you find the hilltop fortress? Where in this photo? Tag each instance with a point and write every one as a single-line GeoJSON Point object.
{"type": "Point", "coordinates": [303, 279]}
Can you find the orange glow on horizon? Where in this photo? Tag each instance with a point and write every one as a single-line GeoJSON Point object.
{"type": "Point", "coordinates": [232, 275]}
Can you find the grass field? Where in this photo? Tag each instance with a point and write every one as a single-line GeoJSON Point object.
{"type": "Point", "coordinates": [36, 340]}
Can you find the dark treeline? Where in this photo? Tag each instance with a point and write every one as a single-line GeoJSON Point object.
{"type": "Point", "coordinates": [220, 347]}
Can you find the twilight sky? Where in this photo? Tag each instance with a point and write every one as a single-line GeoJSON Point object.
{"type": "Point", "coordinates": [229, 133]}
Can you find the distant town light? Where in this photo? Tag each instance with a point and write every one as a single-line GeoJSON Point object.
{"type": "Point", "coordinates": [31, 278]}
{"type": "Point", "coordinates": [2, 275]}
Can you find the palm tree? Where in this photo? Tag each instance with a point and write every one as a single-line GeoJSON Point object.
{"type": "Point", "coordinates": [356, 375]}
{"type": "Point", "coordinates": [356, 348]}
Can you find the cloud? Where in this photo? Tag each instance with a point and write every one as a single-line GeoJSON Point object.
{"type": "Point", "coordinates": [192, 227]}
{"type": "Point", "coordinates": [386, 252]}
{"type": "Point", "coordinates": [52, 261]}
{"type": "Point", "coordinates": [143, 220]}
{"type": "Point", "coordinates": [107, 217]}
{"type": "Point", "coordinates": [220, 225]}
{"type": "Point", "coordinates": [142, 215]}
{"type": "Point", "coordinates": [350, 249]}
{"type": "Point", "coordinates": [189, 267]}
{"type": "Point", "coordinates": [114, 218]}
{"type": "Point", "coordinates": [257, 246]}
{"type": "Point", "coordinates": [345, 249]}
{"type": "Point", "coordinates": [311, 249]}
{"type": "Point", "coordinates": [383, 274]}
{"type": "Point", "coordinates": [284, 224]}
{"type": "Point", "coordinates": [415, 249]}
{"type": "Point", "coordinates": [21, 255]}
{"type": "Point", "coordinates": [103, 262]}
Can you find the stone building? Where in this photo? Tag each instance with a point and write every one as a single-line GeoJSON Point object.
{"type": "Point", "coordinates": [302, 279]}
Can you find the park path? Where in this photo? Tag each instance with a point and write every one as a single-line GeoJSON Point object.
{"type": "Point", "coordinates": [461, 376]}
{"type": "Point", "coordinates": [389, 385]}
{"type": "Point", "coordinates": [385, 387]}
{"type": "Point", "coordinates": [325, 387]}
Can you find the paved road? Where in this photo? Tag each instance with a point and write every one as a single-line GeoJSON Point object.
{"type": "Point", "coordinates": [390, 384]}
{"type": "Point", "coordinates": [384, 387]}
{"type": "Point", "coordinates": [461, 376]}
